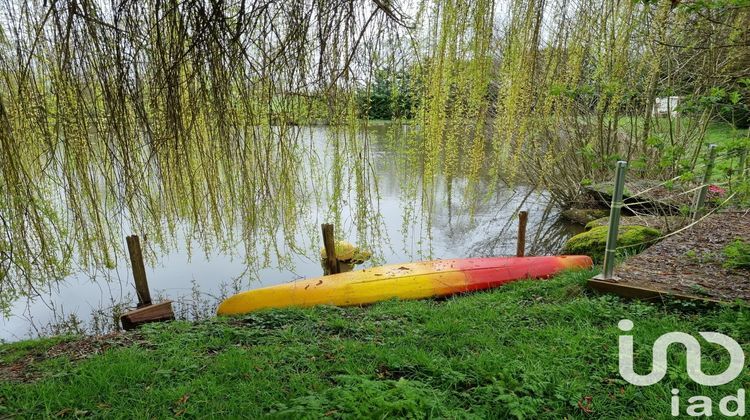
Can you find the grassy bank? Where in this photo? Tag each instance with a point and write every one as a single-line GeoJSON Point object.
{"type": "Point", "coordinates": [531, 349]}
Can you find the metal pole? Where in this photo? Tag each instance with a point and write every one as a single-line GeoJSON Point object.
{"type": "Point", "coordinates": [614, 221]}
{"type": "Point", "coordinates": [704, 185]}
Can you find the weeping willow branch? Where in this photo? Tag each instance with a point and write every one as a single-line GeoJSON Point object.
{"type": "Point", "coordinates": [165, 116]}
{"type": "Point", "coordinates": [183, 116]}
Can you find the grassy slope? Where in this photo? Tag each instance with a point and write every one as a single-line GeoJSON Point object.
{"type": "Point", "coordinates": [722, 133]}
{"type": "Point", "coordinates": [531, 349]}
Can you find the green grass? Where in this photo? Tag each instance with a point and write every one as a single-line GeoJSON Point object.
{"type": "Point", "coordinates": [737, 254]}
{"type": "Point", "coordinates": [531, 349]}
{"type": "Point", "coordinates": [721, 133]}
{"type": "Point", "coordinates": [11, 352]}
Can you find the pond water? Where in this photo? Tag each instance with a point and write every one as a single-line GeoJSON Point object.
{"type": "Point", "coordinates": [196, 282]}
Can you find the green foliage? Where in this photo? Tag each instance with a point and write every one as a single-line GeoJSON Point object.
{"type": "Point", "coordinates": [392, 95]}
{"type": "Point", "coordinates": [359, 396]}
{"type": "Point", "coordinates": [630, 239]}
{"type": "Point", "coordinates": [729, 104]}
{"type": "Point", "coordinates": [737, 254]}
{"type": "Point", "coordinates": [708, 5]}
{"type": "Point", "coordinates": [531, 349]}
{"type": "Point", "coordinates": [166, 117]}
{"type": "Point", "coordinates": [176, 122]}
{"type": "Point", "coordinates": [699, 290]}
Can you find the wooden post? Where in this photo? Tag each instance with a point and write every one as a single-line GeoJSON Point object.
{"type": "Point", "coordinates": [332, 263]}
{"type": "Point", "coordinates": [139, 271]}
{"type": "Point", "coordinates": [523, 216]}
{"type": "Point", "coordinates": [146, 312]}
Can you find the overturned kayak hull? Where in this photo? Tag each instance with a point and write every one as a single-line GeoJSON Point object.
{"type": "Point", "coordinates": [404, 281]}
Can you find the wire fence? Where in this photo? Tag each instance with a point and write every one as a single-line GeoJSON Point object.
{"type": "Point", "coordinates": [735, 182]}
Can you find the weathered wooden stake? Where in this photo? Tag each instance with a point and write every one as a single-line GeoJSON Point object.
{"type": "Point", "coordinates": [146, 312]}
{"type": "Point", "coordinates": [743, 163]}
{"type": "Point", "coordinates": [157, 312]}
{"type": "Point", "coordinates": [139, 271]}
{"type": "Point", "coordinates": [701, 197]}
{"type": "Point", "coordinates": [523, 217]}
{"type": "Point", "coordinates": [332, 263]}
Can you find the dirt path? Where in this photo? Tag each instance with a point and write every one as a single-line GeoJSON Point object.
{"type": "Point", "coordinates": [692, 261]}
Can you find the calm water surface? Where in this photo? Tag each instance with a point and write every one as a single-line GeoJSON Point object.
{"type": "Point", "coordinates": [196, 282]}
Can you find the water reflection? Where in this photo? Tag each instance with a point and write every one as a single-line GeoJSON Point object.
{"type": "Point", "coordinates": [363, 182]}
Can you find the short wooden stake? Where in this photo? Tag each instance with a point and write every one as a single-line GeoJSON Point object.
{"type": "Point", "coordinates": [523, 217]}
{"type": "Point", "coordinates": [146, 312]}
{"type": "Point", "coordinates": [157, 312]}
{"type": "Point", "coordinates": [332, 263]}
{"type": "Point", "coordinates": [139, 271]}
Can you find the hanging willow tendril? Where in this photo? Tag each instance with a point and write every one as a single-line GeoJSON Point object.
{"type": "Point", "coordinates": [182, 118]}
{"type": "Point", "coordinates": [171, 116]}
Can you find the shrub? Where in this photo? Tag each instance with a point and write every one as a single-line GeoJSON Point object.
{"type": "Point", "coordinates": [737, 255]}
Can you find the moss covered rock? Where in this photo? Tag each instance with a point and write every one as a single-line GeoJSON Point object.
{"type": "Point", "coordinates": [583, 216]}
{"type": "Point", "coordinates": [348, 255]}
{"type": "Point", "coordinates": [660, 223]}
{"type": "Point", "coordinates": [348, 252]}
{"type": "Point", "coordinates": [593, 242]}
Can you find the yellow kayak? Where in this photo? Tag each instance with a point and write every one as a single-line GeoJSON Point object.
{"type": "Point", "coordinates": [404, 281]}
